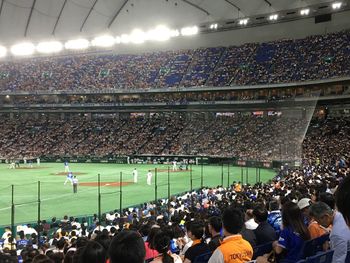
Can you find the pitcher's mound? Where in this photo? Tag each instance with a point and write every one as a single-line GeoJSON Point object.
{"type": "Point", "coordinates": [109, 184]}
{"type": "Point", "coordinates": [31, 168]}
{"type": "Point", "coordinates": [171, 171]}
{"type": "Point", "coordinates": [65, 173]}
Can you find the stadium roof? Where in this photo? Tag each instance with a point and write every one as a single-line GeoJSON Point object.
{"type": "Point", "coordinates": [63, 19]}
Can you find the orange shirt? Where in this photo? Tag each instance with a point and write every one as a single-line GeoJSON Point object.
{"type": "Point", "coordinates": [233, 249]}
{"type": "Point", "coordinates": [316, 230]}
{"type": "Point", "coordinates": [238, 188]}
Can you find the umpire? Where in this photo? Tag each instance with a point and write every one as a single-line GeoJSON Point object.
{"type": "Point", "coordinates": [75, 184]}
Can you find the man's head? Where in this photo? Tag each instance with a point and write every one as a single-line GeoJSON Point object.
{"type": "Point", "coordinates": [195, 230]}
{"type": "Point", "coordinates": [322, 213]}
{"type": "Point", "coordinates": [274, 205]}
{"type": "Point", "coordinates": [342, 199]}
{"type": "Point", "coordinates": [327, 198]}
{"type": "Point", "coordinates": [232, 221]}
{"type": "Point", "coordinates": [260, 214]}
{"type": "Point", "coordinates": [215, 224]}
{"type": "Point", "coordinates": [127, 247]}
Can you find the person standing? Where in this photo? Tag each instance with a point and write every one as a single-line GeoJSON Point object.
{"type": "Point", "coordinates": [38, 161]}
{"type": "Point", "coordinates": [66, 166]}
{"type": "Point", "coordinates": [149, 177]}
{"type": "Point", "coordinates": [174, 165]}
{"type": "Point", "coordinates": [69, 178]}
{"type": "Point", "coordinates": [75, 184]}
{"type": "Point", "coordinates": [135, 175]}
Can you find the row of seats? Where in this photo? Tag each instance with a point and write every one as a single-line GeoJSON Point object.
{"type": "Point", "coordinates": [282, 61]}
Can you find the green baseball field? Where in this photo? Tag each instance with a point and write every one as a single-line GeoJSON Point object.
{"type": "Point", "coordinates": [57, 199]}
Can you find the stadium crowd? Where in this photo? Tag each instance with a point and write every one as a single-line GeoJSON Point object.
{"type": "Point", "coordinates": [313, 58]}
{"type": "Point", "coordinates": [248, 137]}
{"type": "Point", "coordinates": [296, 206]}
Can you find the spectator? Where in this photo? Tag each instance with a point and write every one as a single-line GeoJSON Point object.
{"type": "Point", "coordinates": [161, 243]}
{"type": "Point", "coordinates": [264, 232]}
{"type": "Point", "coordinates": [304, 205]}
{"type": "Point", "coordinates": [151, 252]}
{"type": "Point", "coordinates": [127, 247]}
{"type": "Point", "coordinates": [195, 233]}
{"type": "Point", "coordinates": [343, 199]}
{"type": "Point", "coordinates": [250, 222]}
{"type": "Point", "coordinates": [93, 252]}
{"type": "Point", "coordinates": [233, 245]}
{"type": "Point", "coordinates": [294, 233]}
{"type": "Point", "coordinates": [214, 225]}
{"type": "Point", "coordinates": [340, 234]}
{"type": "Point", "coordinates": [274, 218]}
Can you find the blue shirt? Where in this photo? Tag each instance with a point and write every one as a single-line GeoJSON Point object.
{"type": "Point", "coordinates": [340, 238]}
{"type": "Point", "coordinates": [275, 220]}
{"type": "Point", "coordinates": [22, 243]}
{"type": "Point", "coordinates": [70, 175]}
{"type": "Point", "coordinates": [292, 243]}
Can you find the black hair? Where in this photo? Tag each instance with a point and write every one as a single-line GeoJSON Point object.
{"type": "Point", "coordinates": [127, 247]}
{"type": "Point", "coordinates": [56, 257]}
{"type": "Point", "coordinates": [216, 223]}
{"type": "Point", "coordinates": [197, 229]}
{"type": "Point", "coordinates": [260, 213]}
{"type": "Point", "coordinates": [161, 243]}
{"type": "Point", "coordinates": [151, 236]}
{"type": "Point", "coordinates": [342, 199]}
{"type": "Point", "coordinates": [273, 205]}
{"type": "Point", "coordinates": [93, 252]}
{"type": "Point", "coordinates": [41, 259]}
{"type": "Point", "coordinates": [81, 242]}
{"type": "Point", "coordinates": [293, 217]}
{"type": "Point", "coordinates": [328, 199]}
{"type": "Point", "coordinates": [233, 220]}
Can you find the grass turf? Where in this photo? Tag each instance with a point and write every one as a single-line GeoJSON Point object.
{"type": "Point", "coordinates": [58, 199]}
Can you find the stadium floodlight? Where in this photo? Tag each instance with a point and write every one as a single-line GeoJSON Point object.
{"type": "Point", "coordinates": [213, 26]}
{"type": "Point", "coordinates": [125, 39]}
{"type": "Point", "coordinates": [118, 40]}
{"type": "Point", "coordinates": [336, 5]}
{"type": "Point", "coordinates": [103, 41]}
{"type": "Point", "coordinates": [243, 22]}
{"type": "Point", "coordinates": [189, 31]}
{"type": "Point", "coordinates": [49, 47]}
{"type": "Point", "coordinates": [174, 33]}
{"type": "Point", "coordinates": [77, 44]}
{"type": "Point", "coordinates": [23, 49]}
{"type": "Point", "coordinates": [273, 17]}
{"type": "Point", "coordinates": [305, 12]}
{"type": "Point", "coordinates": [3, 51]}
{"type": "Point", "coordinates": [7, 96]}
{"type": "Point", "coordinates": [160, 33]}
{"type": "Point", "coordinates": [137, 36]}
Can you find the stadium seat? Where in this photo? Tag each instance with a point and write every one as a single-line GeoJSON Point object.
{"type": "Point", "coordinates": [313, 246]}
{"type": "Point", "coordinates": [203, 258]}
{"type": "Point", "coordinates": [323, 257]}
{"type": "Point", "coordinates": [262, 249]}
